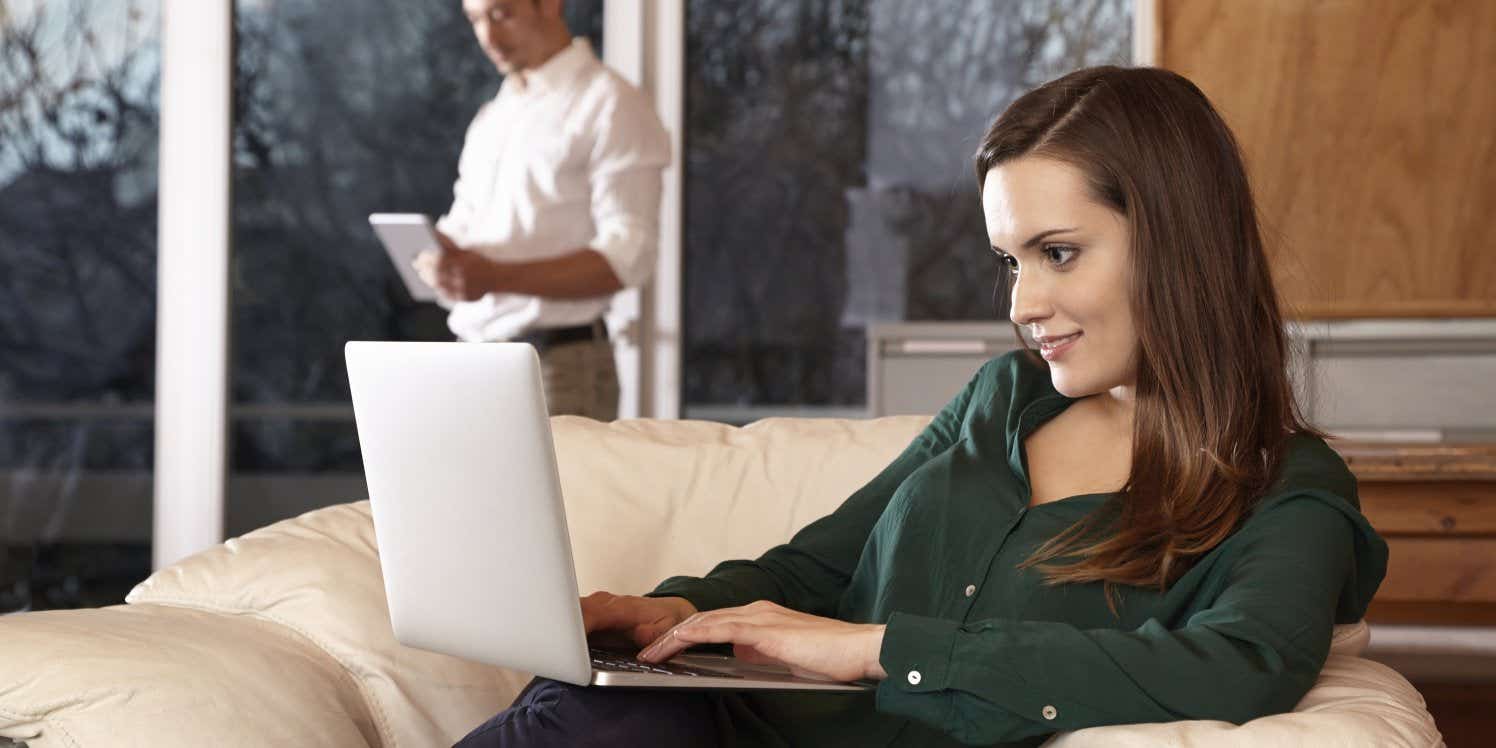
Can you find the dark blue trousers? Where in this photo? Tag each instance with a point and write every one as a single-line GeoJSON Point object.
{"type": "Point", "coordinates": [551, 713]}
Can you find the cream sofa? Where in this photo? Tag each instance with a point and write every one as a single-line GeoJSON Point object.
{"type": "Point", "coordinates": [281, 637]}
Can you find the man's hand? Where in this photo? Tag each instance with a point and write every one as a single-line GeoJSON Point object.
{"type": "Point", "coordinates": [456, 273]}
{"type": "Point", "coordinates": [766, 633]}
{"type": "Point", "coordinates": [639, 619]}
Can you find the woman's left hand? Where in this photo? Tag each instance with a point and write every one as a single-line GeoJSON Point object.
{"type": "Point", "coordinates": [766, 633]}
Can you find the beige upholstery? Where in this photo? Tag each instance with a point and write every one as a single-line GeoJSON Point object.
{"type": "Point", "coordinates": [281, 636]}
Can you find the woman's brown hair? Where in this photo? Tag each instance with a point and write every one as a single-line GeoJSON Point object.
{"type": "Point", "coordinates": [1214, 404]}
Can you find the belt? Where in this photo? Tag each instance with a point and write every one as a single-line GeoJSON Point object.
{"type": "Point", "coordinates": [543, 339]}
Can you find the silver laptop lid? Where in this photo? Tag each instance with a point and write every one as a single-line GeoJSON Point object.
{"type": "Point", "coordinates": [467, 507]}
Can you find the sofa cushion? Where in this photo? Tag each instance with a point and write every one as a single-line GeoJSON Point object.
{"type": "Point", "coordinates": [318, 575]}
{"type": "Point", "coordinates": [678, 497]}
{"type": "Point", "coordinates": [153, 675]}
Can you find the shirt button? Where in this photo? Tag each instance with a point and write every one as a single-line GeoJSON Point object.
{"type": "Point", "coordinates": [971, 589]}
{"type": "Point", "coordinates": [914, 677]}
{"type": "Point", "coordinates": [1050, 712]}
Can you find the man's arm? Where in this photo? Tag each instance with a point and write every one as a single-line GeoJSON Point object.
{"type": "Point", "coordinates": [575, 275]}
{"type": "Point", "coordinates": [624, 172]}
{"type": "Point", "coordinates": [465, 275]}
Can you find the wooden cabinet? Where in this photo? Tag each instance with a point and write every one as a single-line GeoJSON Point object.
{"type": "Point", "coordinates": [1436, 507]}
{"type": "Point", "coordinates": [1368, 132]}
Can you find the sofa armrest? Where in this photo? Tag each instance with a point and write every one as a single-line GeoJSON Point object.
{"type": "Point", "coordinates": [318, 576]}
{"type": "Point", "coordinates": [1355, 702]}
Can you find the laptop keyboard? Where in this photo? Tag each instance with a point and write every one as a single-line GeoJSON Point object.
{"type": "Point", "coordinates": [616, 662]}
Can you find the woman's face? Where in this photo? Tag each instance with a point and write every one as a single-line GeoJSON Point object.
{"type": "Point", "coordinates": [1069, 256]}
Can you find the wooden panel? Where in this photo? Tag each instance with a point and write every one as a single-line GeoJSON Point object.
{"type": "Point", "coordinates": [1368, 131]}
{"type": "Point", "coordinates": [1431, 614]}
{"type": "Point", "coordinates": [1459, 570]}
{"type": "Point", "coordinates": [1465, 713]}
{"type": "Point", "coordinates": [1419, 462]}
{"type": "Point", "coordinates": [1436, 507]}
{"type": "Point", "coordinates": [1457, 509]}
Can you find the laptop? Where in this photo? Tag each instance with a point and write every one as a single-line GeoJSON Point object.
{"type": "Point", "coordinates": [470, 524]}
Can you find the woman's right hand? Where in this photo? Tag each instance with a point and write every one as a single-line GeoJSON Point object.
{"type": "Point", "coordinates": [641, 620]}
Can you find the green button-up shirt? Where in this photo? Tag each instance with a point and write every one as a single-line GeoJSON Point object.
{"type": "Point", "coordinates": [979, 651]}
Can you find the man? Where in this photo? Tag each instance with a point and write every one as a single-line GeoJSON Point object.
{"type": "Point", "coordinates": [556, 205]}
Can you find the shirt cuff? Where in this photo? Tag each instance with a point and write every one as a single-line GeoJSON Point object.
{"type": "Point", "coordinates": [694, 589]}
{"type": "Point", "coordinates": [916, 654]}
{"type": "Point", "coordinates": [629, 250]}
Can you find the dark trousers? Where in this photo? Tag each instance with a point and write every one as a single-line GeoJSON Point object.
{"type": "Point", "coordinates": [551, 713]}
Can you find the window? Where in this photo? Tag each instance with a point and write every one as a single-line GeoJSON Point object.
{"type": "Point", "coordinates": [342, 108]}
{"type": "Point", "coordinates": [829, 181]}
{"type": "Point", "coordinates": [78, 131]}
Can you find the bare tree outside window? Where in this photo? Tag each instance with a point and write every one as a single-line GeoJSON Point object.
{"type": "Point", "coordinates": [828, 178]}
{"type": "Point", "coordinates": [78, 130]}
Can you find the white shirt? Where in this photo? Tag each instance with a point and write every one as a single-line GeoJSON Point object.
{"type": "Point", "coordinates": [567, 156]}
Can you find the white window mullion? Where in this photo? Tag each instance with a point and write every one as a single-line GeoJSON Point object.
{"type": "Point", "coordinates": [645, 42]}
{"type": "Point", "coordinates": [1145, 37]}
{"type": "Point", "coordinates": [623, 51]}
{"type": "Point", "coordinates": [665, 57]}
{"type": "Point", "coordinates": [192, 264]}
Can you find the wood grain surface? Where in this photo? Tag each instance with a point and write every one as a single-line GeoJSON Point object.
{"type": "Point", "coordinates": [1461, 570]}
{"type": "Point", "coordinates": [1454, 509]}
{"type": "Point", "coordinates": [1369, 128]}
{"type": "Point", "coordinates": [1435, 504]}
{"type": "Point", "coordinates": [1418, 462]}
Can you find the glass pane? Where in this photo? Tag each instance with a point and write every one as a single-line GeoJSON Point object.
{"type": "Point", "coordinates": [342, 108]}
{"type": "Point", "coordinates": [78, 125]}
{"type": "Point", "coordinates": [829, 181]}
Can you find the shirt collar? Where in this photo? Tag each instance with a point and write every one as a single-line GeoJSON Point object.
{"type": "Point", "coordinates": [557, 72]}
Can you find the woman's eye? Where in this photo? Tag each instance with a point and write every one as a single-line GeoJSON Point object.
{"type": "Point", "coordinates": [1059, 254]}
{"type": "Point", "coordinates": [1008, 261]}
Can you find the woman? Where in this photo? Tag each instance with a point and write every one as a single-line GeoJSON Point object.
{"type": "Point", "coordinates": [1135, 525]}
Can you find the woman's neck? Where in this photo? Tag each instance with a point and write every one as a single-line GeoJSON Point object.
{"type": "Point", "coordinates": [1114, 408]}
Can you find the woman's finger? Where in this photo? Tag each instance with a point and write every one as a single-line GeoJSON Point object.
{"type": "Point", "coordinates": [735, 631]}
{"type": "Point", "coordinates": [756, 613]}
{"type": "Point", "coordinates": [670, 643]}
{"type": "Point", "coordinates": [663, 648]}
{"type": "Point", "coordinates": [646, 632]}
{"type": "Point", "coordinates": [707, 627]}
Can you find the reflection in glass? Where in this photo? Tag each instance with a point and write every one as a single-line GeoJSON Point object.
{"type": "Point", "coordinates": [78, 128]}
{"type": "Point", "coordinates": [829, 181]}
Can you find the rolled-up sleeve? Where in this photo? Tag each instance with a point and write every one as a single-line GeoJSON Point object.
{"type": "Point", "coordinates": [629, 155]}
{"type": "Point", "coordinates": [1255, 651]}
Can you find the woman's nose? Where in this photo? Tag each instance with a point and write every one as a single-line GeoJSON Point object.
{"type": "Point", "coordinates": [1029, 302]}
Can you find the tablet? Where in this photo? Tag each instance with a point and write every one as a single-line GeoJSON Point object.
{"type": "Point", "coordinates": [404, 236]}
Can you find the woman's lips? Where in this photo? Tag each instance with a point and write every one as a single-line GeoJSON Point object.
{"type": "Point", "coordinates": [1056, 348]}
